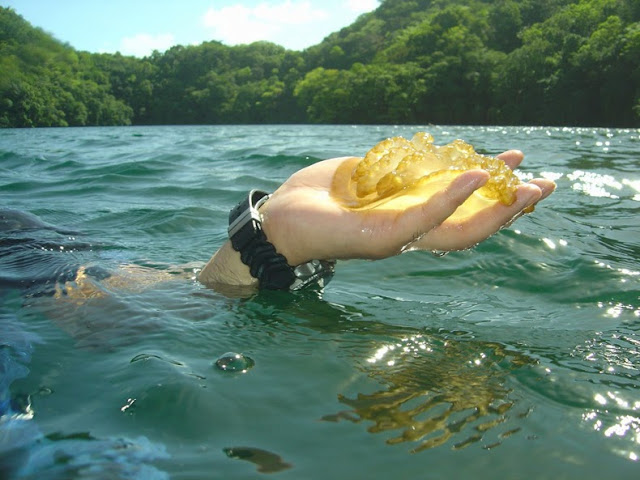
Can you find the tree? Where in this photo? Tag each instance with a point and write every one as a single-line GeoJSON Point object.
{"type": "Point", "coordinates": [414, 61]}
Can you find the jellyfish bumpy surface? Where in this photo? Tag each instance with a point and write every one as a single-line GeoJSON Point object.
{"type": "Point", "coordinates": [398, 173]}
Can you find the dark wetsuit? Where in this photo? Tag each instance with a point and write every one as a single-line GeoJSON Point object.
{"type": "Point", "coordinates": [35, 256]}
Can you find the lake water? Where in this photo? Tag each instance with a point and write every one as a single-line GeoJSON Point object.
{"type": "Point", "coordinates": [517, 359]}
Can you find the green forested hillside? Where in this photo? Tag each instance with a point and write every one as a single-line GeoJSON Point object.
{"type": "Point", "coordinates": [45, 83]}
{"type": "Point", "coordinates": [548, 62]}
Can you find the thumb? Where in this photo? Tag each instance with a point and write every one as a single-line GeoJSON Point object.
{"type": "Point", "coordinates": [442, 199]}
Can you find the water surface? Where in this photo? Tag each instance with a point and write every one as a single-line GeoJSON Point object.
{"type": "Point", "coordinates": [517, 359]}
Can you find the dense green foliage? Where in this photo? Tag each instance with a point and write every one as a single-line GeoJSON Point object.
{"type": "Point", "coordinates": [45, 83]}
{"type": "Point", "coordinates": [409, 61]}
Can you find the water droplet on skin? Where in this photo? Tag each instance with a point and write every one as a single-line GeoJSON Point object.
{"type": "Point", "coordinates": [234, 362]}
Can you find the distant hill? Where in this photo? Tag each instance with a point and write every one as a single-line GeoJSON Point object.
{"type": "Point", "coordinates": [548, 62]}
{"type": "Point", "coordinates": [47, 83]}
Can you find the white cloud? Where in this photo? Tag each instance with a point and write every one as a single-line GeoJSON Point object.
{"type": "Point", "coordinates": [362, 6]}
{"type": "Point", "coordinates": [143, 44]}
{"type": "Point", "coordinates": [237, 24]}
{"type": "Point", "coordinates": [289, 13]}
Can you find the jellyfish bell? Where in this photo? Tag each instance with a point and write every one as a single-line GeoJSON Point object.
{"type": "Point", "coordinates": [398, 173]}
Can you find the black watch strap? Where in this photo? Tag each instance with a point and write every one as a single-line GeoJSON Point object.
{"type": "Point", "coordinates": [247, 237]}
{"type": "Point", "coordinates": [264, 262]}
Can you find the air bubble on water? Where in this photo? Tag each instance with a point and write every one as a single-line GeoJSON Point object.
{"type": "Point", "coordinates": [234, 362]}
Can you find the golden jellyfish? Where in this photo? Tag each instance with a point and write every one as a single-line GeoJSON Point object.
{"type": "Point", "coordinates": [398, 173]}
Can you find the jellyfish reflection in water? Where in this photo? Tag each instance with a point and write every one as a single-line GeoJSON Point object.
{"type": "Point", "coordinates": [439, 390]}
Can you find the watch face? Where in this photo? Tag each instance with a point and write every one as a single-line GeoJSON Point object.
{"type": "Point", "coordinates": [314, 272]}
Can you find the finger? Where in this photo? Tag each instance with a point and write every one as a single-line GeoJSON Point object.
{"type": "Point", "coordinates": [455, 234]}
{"type": "Point", "coordinates": [547, 186]}
{"type": "Point", "coordinates": [513, 158]}
{"type": "Point", "coordinates": [415, 222]}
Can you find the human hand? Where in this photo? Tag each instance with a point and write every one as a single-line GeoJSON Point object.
{"type": "Point", "coordinates": [304, 222]}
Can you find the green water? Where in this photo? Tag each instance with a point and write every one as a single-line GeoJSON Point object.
{"type": "Point", "coordinates": [517, 359]}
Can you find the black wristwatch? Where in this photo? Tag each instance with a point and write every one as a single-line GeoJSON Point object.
{"type": "Point", "coordinates": [264, 262]}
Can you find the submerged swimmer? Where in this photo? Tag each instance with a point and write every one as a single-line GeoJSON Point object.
{"type": "Point", "coordinates": [293, 237]}
{"type": "Point", "coordinates": [30, 261]}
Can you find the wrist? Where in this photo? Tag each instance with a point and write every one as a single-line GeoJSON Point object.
{"type": "Point", "coordinates": [261, 257]}
{"type": "Point", "coordinates": [278, 233]}
{"type": "Point", "coordinates": [260, 249]}
{"type": "Point", "coordinates": [226, 268]}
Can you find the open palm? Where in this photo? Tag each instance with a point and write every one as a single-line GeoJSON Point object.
{"type": "Point", "coordinates": [304, 222]}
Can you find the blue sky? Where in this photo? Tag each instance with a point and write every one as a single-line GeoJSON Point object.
{"type": "Point", "coordinates": [137, 27]}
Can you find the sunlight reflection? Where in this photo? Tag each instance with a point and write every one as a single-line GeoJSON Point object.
{"type": "Point", "coordinates": [616, 310]}
{"type": "Point", "coordinates": [615, 413]}
{"type": "Point", "coordinates": [626, 423]}
{"type": "Point", "coordinates": [635, 185]}
{"type": "Point", "coordinates": [594, 184]}
{"type": "Point", "coordinates": [553, 244]}
{"type": "Point", "coordinates": [625, 272]}
{"type": "Point", "coordinates": [622, 425]}
{"type": "Point", "coordinates": [550, 243]}
{"type": "Point", "coordinates": [410, 345]}
{"type": "Point", "coordinates": [553, 176]}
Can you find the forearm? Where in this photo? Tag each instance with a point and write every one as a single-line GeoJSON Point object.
{"type": "Point", "coordinates": [226, 268]}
